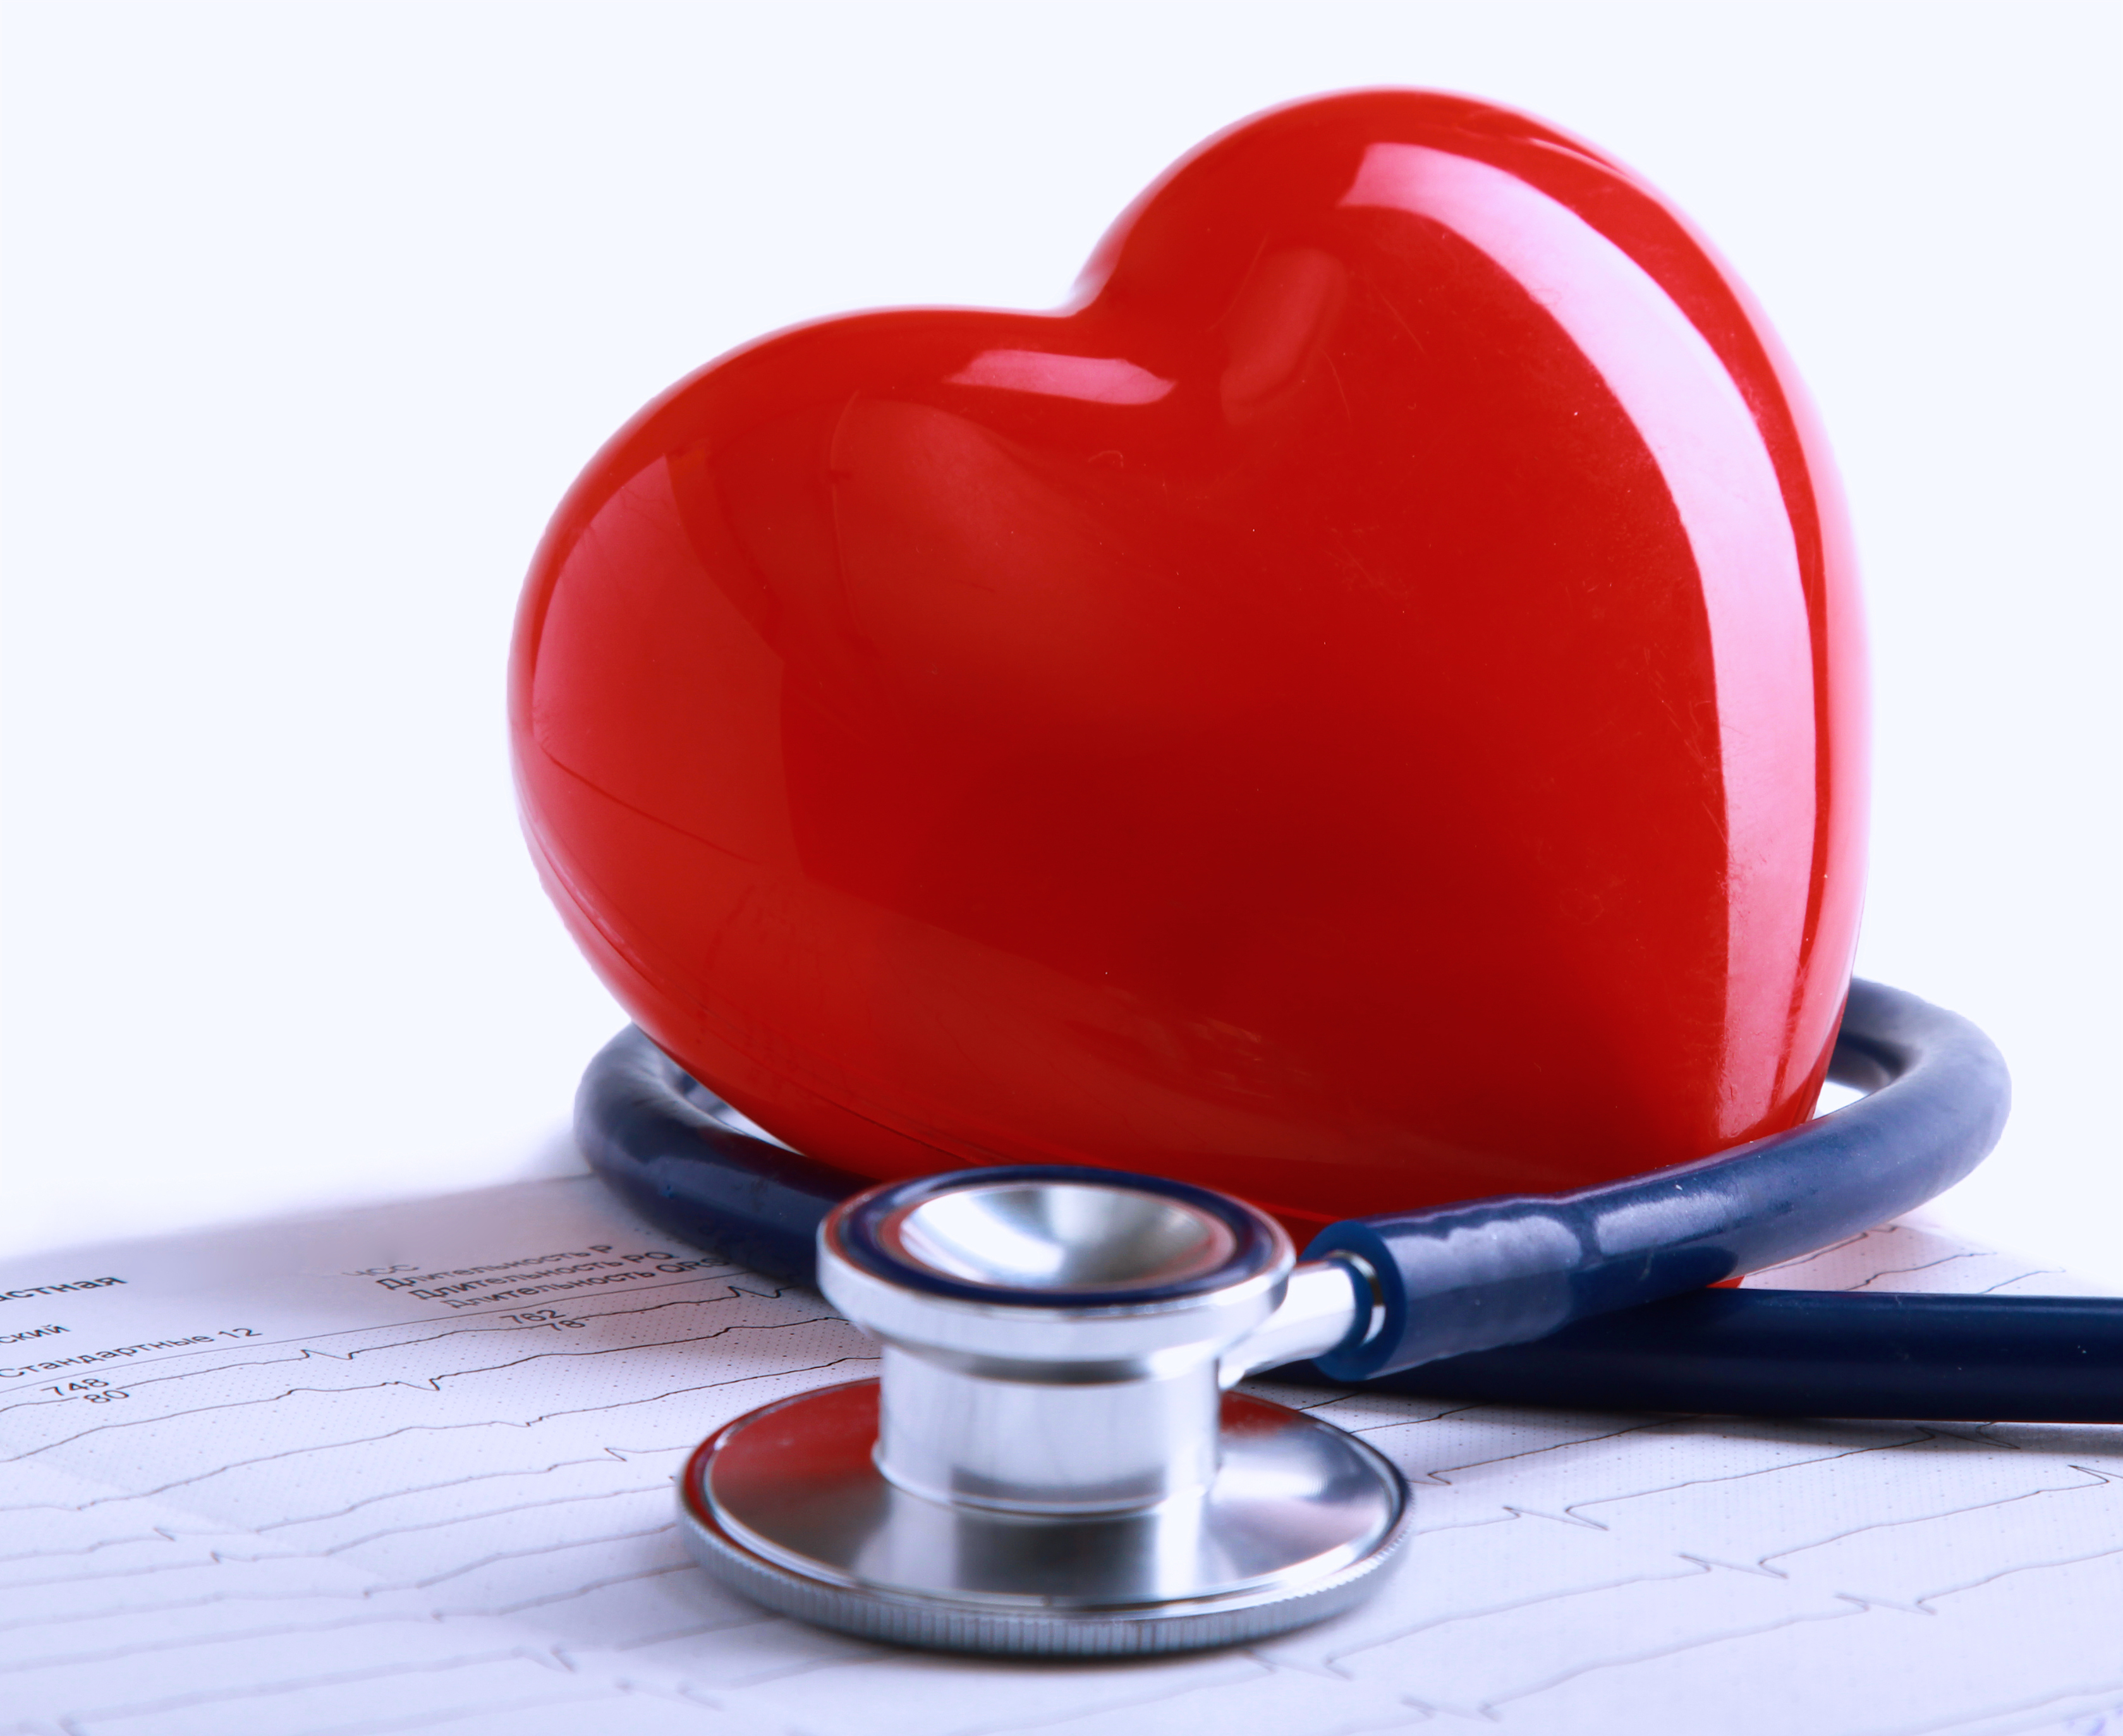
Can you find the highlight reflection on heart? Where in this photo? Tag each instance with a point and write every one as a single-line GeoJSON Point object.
{"type": "Point", "coordinates": [1362, 707]}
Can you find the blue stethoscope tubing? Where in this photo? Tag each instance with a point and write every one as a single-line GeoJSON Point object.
{"type": "Point", "coordinates": [1590, 1299]}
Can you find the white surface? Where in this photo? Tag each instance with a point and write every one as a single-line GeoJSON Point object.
{"type": "Point", "coordinates": [314, 311]}
{"type": "Point", "coordinates": [409, 1468]}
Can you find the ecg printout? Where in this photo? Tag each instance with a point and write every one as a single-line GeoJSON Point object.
{"type": "Point", "coordinates": [409, 1468]}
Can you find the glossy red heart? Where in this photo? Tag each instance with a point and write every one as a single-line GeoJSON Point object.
{"type": "Point", "coordinates": [1363, 707]}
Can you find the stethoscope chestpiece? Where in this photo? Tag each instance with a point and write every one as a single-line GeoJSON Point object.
{"type": "Point", "coordinates": [1049, 1462]}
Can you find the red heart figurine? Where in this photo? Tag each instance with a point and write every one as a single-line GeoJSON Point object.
{"type": "Point", "coordinates": [1362, 707]}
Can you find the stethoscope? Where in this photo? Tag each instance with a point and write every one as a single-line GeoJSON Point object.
{"type": "Point", "coordinates": [1050, 1462]}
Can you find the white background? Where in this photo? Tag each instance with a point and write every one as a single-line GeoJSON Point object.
{"type": "Point", "coordinates": [312, 311]}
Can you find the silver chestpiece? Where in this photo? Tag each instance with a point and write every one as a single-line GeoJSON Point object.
{"type": "Point", "coordinates": [1050, 1462]}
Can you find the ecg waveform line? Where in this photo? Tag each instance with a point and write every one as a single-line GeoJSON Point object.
{"type": "Point", "coordinates": [483, 1422]}
{"type": "Point", "coordinates": [463, 1327]}
{"type": "Point", "coordinates": [721, 1276]}
{"type": "Point", "coordinates": [432, 1384]}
